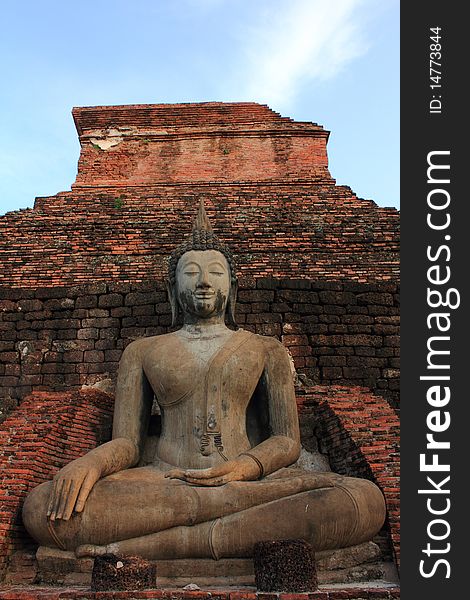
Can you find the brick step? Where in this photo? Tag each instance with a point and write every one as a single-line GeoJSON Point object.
{"type": "Point", "coordinates": [351, 592]}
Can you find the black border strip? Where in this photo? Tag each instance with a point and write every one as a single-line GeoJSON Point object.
{"type": "Point", "coordinates": [423, 132]}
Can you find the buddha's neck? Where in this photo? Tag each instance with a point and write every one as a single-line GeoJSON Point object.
{"type": "Point", "coordinates": [205, 330]}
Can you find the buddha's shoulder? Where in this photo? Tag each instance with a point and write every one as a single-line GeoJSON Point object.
{"type": "Point", "coordinates": [267, 342]}
{"type": "Point", "coordinates": [151, 343]}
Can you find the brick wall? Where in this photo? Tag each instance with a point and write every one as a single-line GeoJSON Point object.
{"type": "Point", "coordinates": [360, 434]}
{"type": "Point", "coordinates": [63, 338]}
{"type": "Point", "coordinates": [45, 433]}
{"type": "Point", "coordinates": [198, 142]}
{"type": "Point", "coordinates": [288, 229]}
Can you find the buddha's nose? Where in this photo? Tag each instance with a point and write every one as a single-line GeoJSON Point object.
{"type": "Point", "coordinates": [203, 281]}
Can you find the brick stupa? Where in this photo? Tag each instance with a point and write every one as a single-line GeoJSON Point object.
{"type": "Point", "coordinates": [141, 173]}
{"type": "Point", "coordinates": [82, 274]}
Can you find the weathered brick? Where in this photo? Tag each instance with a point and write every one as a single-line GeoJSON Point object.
{"type": "Point", "coordinates": [146, 321]}
{"type": "Point", "coordinates": [293, 328]}
{"type": "Point", "coordinates": [259, 307]}
{"type": "Point", "coordinates": [327, 340]}
{"type": "Point", "coordinates": [256, 295]}
{"type": "Point", "coordinates": [365, 361]}
{"type": "Point", "coordinates": [392, 340]}
{"type": "Point", "coordinates": [332, 372]}
{"type": "Point", "coordinates": [164, 320]}
{"type": "Point", "coordinates": [295, 284]}
{"type": "Point", "coordinates": [328, 318]}
{"type": "Point", "coordinates": [110, 300]}
{"type": "Point", "coordinates": [263, 318]}
{"type": "Point", "coordinates": [136, 298]}
{"type": "Point", "coordinates": [329, 297]}
{"type": "Point", "coordinates": [294, 340]}
{"type": "Point", "coordinates": [359, 372]}
{"type": "Point", "coordinates": [143, 310]}
{"type": "Point", "coordinates": [100, 322]}
{"type": "Point", "coordinates": [382, 329]}
{"type": "Point", "coordinates": [98, 312]}
{"type": "Point", "coordinates": [162, 308]}
{"type": "Point", "coordinates": [375, 298]}
{"type": "Point", "coordinates": [109, 333]}
{"type": "Point", "coordinates": [112, 355]}
{"type": "Point", "coordinates": [88, 333]}
{"type": "Point", "coordinates": [106, 344]}
{"type": "Point", "coordinates": [131, 332]}
{"type": "Point", "coordinates": [56, 304]}
{"type": "Point", "coordinates": [332, 361]}
{"type": "Point", "coordinates": [300, 350]}
{"type": "Point", "coordinates": [73, 356]}
{"type": "Point", "coordinates": [9, 356]}
{"type": "Point", "coordinates": [337, 328]}
{"type": "Point", "coordinates": [12, 369]}
{"type": "Point", "coordinates": [121, 311]}
{"type": "Point", "coordinates": [317, 329]}
{"type": "Point", "coordinates": [267, 283]}
{"type": "Point", "coordinates": [93, 356]}
{"type": "Point", "coordinates": [272, 329]}
{"type": "Point", "coordinates": [86, 301]}
{"type": "Point", "coordinates": [63, 345]}
{"type": "Point", "coordinates": [366, 351]}
{"type": "Point", "coordinates": [280, 307]}
{"type": "Point", "coordinates": [29, 305]}
{"type": "Point", "coordinates": [13, 317]}
{"type": "Point", "coordinates": [6, 345]}
{"type": "Point", "coordinates": [363, 340]}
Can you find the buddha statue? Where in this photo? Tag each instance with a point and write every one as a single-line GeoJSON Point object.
{"type": "Point", "coordinates": [221, 475]}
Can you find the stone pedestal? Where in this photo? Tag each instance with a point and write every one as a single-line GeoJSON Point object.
{"type": "Point", "coordinates": [358, 563]}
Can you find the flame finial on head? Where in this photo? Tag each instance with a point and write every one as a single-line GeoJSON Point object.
{"type": "Point", "coordinates": [202, 222]}
{"type": "Point", "coordinates": [202, 237]}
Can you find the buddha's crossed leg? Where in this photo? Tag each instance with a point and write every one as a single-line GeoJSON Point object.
{"type": "Point", "coordinates": [140, 512]}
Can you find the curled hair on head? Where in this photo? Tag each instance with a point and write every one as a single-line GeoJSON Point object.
{"type": "Point", "coordinates": [202, 237]}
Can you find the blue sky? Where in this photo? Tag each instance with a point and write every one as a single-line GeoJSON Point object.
{"type": "Point", "coordinates": [334, 62]}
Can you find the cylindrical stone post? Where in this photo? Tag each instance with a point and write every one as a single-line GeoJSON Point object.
{"type": "Point", "coordinates": [129, 573]}
{"type": "Point", "coordinates": [284, 566]}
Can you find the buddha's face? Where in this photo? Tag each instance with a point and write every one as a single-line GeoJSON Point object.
{"type": "Point", "coordinates": [203, 283]}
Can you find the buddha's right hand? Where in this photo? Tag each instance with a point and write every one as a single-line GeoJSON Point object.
{"type": "Point", "coordinates": [71, 487]}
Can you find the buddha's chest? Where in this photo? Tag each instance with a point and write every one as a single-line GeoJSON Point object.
{"type": "Point", "coordinates": [205, 373]}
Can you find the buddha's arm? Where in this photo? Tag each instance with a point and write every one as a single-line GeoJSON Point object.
{"type": "Point", "coordinates": [282, 448]}
{"type": "Point", "coordinates": [73, 484]}
{"type": "Point", "coordinates": [134, 397]}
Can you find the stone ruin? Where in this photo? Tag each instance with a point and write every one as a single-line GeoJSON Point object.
{"type": "Point", "coordinates": [82, 274]}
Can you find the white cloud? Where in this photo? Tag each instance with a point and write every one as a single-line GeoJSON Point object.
{"type": "Point", "coordinates": [299, 41]}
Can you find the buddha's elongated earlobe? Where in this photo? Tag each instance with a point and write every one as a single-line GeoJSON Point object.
{"type": "Point", "coordinates": [175, 312]}
{"type": "Point", "coordinates": [232, 300]}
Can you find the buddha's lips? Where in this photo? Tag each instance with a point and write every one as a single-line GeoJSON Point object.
{"type": "Point", "coordinates": [204, 295]}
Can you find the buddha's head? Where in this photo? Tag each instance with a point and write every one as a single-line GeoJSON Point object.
{"type": "Point", "coordinates": [202, 283]}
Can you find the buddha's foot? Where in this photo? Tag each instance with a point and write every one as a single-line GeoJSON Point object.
{"type": "Point", "coordinates": [87, 550]}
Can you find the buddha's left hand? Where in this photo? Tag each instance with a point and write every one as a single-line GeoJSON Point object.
{"type": "Point", "coordinates": [240, 469]}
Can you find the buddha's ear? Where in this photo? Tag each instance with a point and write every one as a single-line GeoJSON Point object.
{"type": "Point", "coordinates": [171, 289]}
{"type": "Point", "coordinates": [232, 301]}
